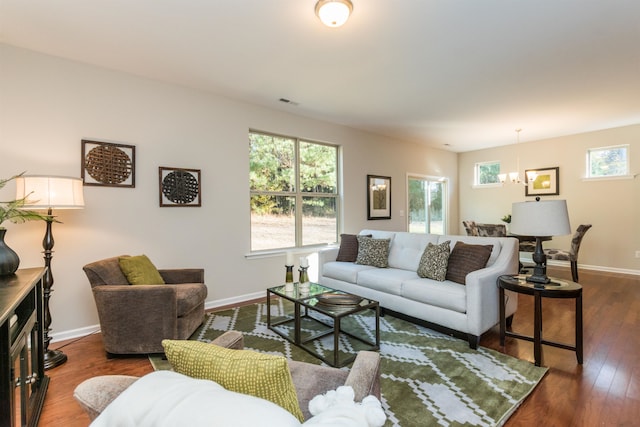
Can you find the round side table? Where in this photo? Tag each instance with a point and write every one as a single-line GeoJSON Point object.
{"type": "Point", "coordinates": [557, 288]}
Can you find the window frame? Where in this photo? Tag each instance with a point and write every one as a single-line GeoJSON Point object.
{"type": "Point", "coordinates": [588, 163]}
{"type": "Point", "coordinates": [476, 174]}
{"type": "Point", "coordinates": [299, 195]}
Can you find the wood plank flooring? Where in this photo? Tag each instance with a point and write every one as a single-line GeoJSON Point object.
{"type": "Point", "coordinates": [604, 391]}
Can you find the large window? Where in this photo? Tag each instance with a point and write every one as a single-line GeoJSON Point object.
{"type": "Point", "coordinates": [294, 192]}
{"type": "Point", "coordinates": [427, 205]}
{"type": "Point", "coordinates": [486, 173]}
{"type": "Point", "coordinates": [608, 161]}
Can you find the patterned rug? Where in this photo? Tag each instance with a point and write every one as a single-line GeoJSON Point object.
{"type": "Point", "coordinates": [427, 378]}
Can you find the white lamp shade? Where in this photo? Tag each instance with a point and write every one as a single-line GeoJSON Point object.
{"type": "Point", "coordinates": [541, 218]}
{"type": "Point", "coordinates": [333, 13]}
{"type": "Point", "coordinates": [44, 192]}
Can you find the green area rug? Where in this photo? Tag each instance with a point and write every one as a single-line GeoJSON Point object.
{"type": "Point", "coordinates": [427, 378]}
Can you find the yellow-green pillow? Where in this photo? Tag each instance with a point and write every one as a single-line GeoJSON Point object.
{"type": "Point", "coordinates": [243, 371]}
{"type": "Point", "coordinates": [139, 270]}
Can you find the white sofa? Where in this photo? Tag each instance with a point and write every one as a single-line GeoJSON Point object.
{"type": "Point", "coordinates": [469, 309]}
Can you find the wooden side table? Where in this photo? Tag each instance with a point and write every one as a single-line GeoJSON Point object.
{"type": "Point", "coordinates": [556, 289]}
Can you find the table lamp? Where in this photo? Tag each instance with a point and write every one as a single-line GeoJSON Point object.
{"type": "Point", "coordinates": [49, 192]}
{"type": "Point", "coordinates": [540, 219]}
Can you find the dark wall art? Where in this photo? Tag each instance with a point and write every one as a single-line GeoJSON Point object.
{"type": "Point", "coordinates": [378, 197]}
{"type": "Point", "coordinates": [179, 187]}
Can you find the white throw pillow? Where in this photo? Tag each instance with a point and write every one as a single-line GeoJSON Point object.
{"type": "Point", "coordinates": [167, 398]}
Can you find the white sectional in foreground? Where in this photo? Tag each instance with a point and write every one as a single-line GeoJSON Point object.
{"type": "Point", "coordinates": [470, 308]}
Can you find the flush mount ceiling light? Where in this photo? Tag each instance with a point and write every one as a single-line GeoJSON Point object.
{"type": "Point", "coordinates": [334, 13]}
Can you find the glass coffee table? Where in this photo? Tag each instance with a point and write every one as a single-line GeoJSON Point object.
{"type": "Point", "coordinates": [309, 316]}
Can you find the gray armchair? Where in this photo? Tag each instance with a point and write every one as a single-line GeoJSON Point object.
{"type": "Point", "coordinates": [135, 319]}
{"type": "Point", "coordinates": [309, 380]}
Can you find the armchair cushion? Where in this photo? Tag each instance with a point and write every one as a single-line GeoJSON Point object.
{"type": "Point", "coordinates": [243, 371]}
{"type": "Point", "coordinates": [139, 270]}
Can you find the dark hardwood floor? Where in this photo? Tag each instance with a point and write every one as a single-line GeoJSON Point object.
{"type": "Point", "coordinates": [604, 391]}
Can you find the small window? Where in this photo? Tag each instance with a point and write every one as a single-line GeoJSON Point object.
{"type": "Point", "coordinates": [486, 173]}
{"type": "Point", "coordinates": [608, 161]}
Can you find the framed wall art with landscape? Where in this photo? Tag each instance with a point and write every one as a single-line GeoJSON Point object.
{"type": "Point", "coordinates": [378, 197]}
{"type": "Point", "coordinates": [542, 182]}
{"type": "Point", "coordinates": [108, 164]}
{"type": "Point", "coordinates": [179, 187]}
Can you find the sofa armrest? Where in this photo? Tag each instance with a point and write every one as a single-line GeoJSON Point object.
{"type": "Point", "coordinates": [482, 291]}
{"type": "Point", "coordinates": [182, 275]}
{"type": "Point", "coordinates": [326, 255]}
{"type": "Point", "coordinates": [364, 376]}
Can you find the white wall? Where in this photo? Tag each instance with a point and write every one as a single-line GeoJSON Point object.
{"type": "Point", "coordinates": [48, 105]}
{"type": "Point", "coordinates": [611, 206]}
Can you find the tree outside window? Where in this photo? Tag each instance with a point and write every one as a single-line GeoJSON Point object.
{"type": "Point", "coordinates": [608, 161]}
{"type": "Point", "coordinates": [294, 192]}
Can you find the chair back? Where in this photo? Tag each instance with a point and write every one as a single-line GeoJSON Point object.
{"type": "Point", "coordinates": [105, 272]}
{"type": "Point", "coordinates": [492, 230]}
{"type": "Point", "coordinates": [576, 240]}
{"type": "Point", "coordinates": [470, 227]}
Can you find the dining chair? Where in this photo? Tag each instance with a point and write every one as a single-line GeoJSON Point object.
{"type": "Point", "coordinates": [570, 255]}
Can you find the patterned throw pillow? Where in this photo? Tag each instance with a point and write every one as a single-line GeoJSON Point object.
{"type": "Point", "coordinates": [139, 270]}
{"type": "Point", "coordinates": [466, 258]}
{"type": "Point", "coordinates": [374, 252]}
{"type": "Point", "coordinates": [243, 371]}
{"type": "Point", "coordinates": [434, 261]}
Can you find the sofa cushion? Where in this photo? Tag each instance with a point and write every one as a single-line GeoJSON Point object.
{"type": "Point", "coordinates": [139, 270]}
{"type": "Point", "coordinates": [447, 295]}
{"type": "Point", "coordinates": [169, 398]}
{"type": "Point", "coordinates": [243, 371]}
{"type": "Point", "coordinates": [373, 252]}
{"type": "Point", "coordinates": [407, 248]}
{"type": "Point", "coordinates": [434, 261]}
{"type": "Point", "coordinates": [387, 280]}
{"type": "Point", "coordinates": [345, 271]}
{"type": "Point", "coordinates": [348, 251]}
{"type": "Point", "coordinates": [466, 258]}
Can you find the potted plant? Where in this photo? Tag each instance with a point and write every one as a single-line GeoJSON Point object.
{"type": "Point", "coordinates": [13, 211]}
{"type": "Point", "coordinates": [507, 219]}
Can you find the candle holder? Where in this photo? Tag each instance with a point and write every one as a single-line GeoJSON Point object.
{"type": "Point", "coordinates": [288, 280]}
{"type": "Point", "coordinates": [304, 280]}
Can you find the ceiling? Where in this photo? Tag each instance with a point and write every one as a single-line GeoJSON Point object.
{"type": "Point", "coordinates": [458, 75]}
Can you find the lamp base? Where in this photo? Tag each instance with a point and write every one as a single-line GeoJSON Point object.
{"type": "Point", "coordinates": [53, 358]}
{"type": "Point", "coordinates": [541, 279]}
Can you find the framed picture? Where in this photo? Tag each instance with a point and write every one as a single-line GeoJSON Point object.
{"type": "Point", "coordinates": [542, 182]}
{"type": "Point", "coordinates": [179, 187]}
{"type": "Point", "coordinates": [108, 164]}
{"type": "Point", "coordinates": [378, 197]}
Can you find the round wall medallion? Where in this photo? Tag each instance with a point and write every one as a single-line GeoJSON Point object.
{"type": "Point", "coordinates": [108, 164]}
{"type": "Point", "coordinates": [180, 187]}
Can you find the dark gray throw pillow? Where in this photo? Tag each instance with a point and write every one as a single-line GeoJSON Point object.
{"type": "Point", "coordinates": [434, 261]}
{"type": "Point", "coordinates": [466, 258]}
{"type": "Point", "coordinates": [374, 252]}
{"type": "Point", "coordinates": [348, 251]}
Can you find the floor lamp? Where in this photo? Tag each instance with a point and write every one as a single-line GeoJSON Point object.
{"type": "Point", "coordinates": [50, 192]}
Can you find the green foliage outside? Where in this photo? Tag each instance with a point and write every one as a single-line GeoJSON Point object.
{"type": "Point", "coordinates": [488, 173]}
{"type": "Point", "coordinates": [272, 175]}
{"type": "Point", "coordinates": [417, 198]}
{"type": "Point", "coordinates": [608, 162]}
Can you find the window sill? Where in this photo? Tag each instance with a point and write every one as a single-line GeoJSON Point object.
{"type": "Point", "coordinates": [610, 178]}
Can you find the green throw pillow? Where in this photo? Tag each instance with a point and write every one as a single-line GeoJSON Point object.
{"type": "Point", "coordinates": [243, 371]}
{"type": "Point", "coordinates": [139, 270]}
{"type": "Point", "coordinates": [433, 264]}
{"type": "Point", "coordinates": [374, 252]}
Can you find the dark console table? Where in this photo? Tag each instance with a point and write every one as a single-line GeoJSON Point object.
{"type": "Point", "coordinates": [23, 383]}
{"type": "Point", "coordinates": [557, 288]}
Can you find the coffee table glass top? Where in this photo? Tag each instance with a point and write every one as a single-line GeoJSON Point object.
{"type": "Point", "coordinates": [324, 299]}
